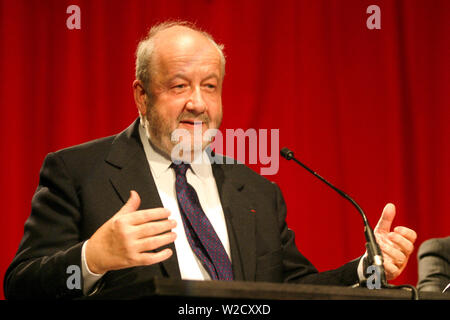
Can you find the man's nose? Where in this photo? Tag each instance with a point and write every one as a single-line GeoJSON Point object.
{"type": "Point", "coordinates": [196, 103]}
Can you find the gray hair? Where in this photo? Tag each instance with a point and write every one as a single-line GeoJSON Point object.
{"type": "Point", "coordinates": [145, 49]}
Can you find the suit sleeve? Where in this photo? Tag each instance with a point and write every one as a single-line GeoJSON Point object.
{"type": "Point", "coordinates": [434, 264]}
{"type": "Point", "coordinates": [51, 241]}
{"type": "Point", "coordinates": [297, 269]}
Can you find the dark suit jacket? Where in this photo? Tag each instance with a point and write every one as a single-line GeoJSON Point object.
{"type": "Point", "coordinates": [81, 187]}
{"type": "Point", "coordinates": [434, 264]}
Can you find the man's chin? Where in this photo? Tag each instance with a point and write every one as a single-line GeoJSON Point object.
{"type": "Point", "coordinates": [187, 152]}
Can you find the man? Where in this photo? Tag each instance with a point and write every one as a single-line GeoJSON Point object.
{"type": "Point", "coordinates": [434, 265]}
{"type": "Point", "coordinates": [120, 207]}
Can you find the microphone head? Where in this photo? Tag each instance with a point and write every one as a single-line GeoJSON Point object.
{"type": "Point", "coordinates": [286, 153]}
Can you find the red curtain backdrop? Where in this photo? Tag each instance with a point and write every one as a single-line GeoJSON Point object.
{"type": "Point", "coordinates": [367, 109]}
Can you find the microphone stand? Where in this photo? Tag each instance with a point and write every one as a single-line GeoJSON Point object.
{"type": "Point", "coordinates": [374, 254]}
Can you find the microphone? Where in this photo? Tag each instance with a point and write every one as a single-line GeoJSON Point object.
{"type": "Point", "coordinates": [374, 255]}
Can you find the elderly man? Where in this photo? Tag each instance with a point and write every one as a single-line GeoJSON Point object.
{"type": "Point", "coordinates": [123, 210]}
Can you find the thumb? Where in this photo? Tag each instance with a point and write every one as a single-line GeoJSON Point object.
{"type": "Point", "coordinates": [388, 215]}
{"type": "Point", "coordinates": [133, 203]}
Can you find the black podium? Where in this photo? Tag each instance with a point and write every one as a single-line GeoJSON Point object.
{"type": "Point", "coordinates": [238, 290]}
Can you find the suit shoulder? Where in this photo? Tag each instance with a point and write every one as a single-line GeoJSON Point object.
{"type": "Point", "coordinates": [253, 175]}
{"type": "Point", "coordinates": [85, 156]}
{"type": "Point", "coordinates": [89, 146]}
{"type": "Point", "coordinates": [87, 149]}
{"type": "Point", "coordinates": [435, 246]}
{"type": "Point", "coordinates": [241, 170]}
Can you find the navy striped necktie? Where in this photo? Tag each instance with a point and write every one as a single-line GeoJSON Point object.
{"type": "Point", "coordinates": [200, 233]}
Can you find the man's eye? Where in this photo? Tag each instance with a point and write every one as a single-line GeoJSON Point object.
{"type": "Point", "coordinates": [210, 86]}
{"type": "Point", "coordinates": [179, 88]}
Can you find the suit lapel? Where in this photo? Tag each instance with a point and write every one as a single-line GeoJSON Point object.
{"type": "Point", "coordinates": [133, 173]}
{"type": "Point", "coordinates": [240, 221]}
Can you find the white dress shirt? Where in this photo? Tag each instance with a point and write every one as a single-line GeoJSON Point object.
{"type": "Point", "coordinates": [201, 178]}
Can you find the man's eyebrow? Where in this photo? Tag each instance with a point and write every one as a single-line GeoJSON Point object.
{"type": "Point", "coordinates": [184, 77]}
{"type": "Point", "coordinates": [211, 75]}
{"type": "Point", "coordinates": [178, 75]}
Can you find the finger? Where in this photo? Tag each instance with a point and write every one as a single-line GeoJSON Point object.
{"type": "Point", "coordinates": [393, 254]}
{"type": "Point", "coordinates": [155, 242]}
{"type": "Point", "coordinates": [132, 204]}
{"type": "Point", "coordinates": [144, 216]}
{"type": "Point", "coordinates": [391, 270]}
{"type": "Point", "coordinates": [149, 258]}
{"type": "Point", "coordinates": [401, 243]}
{"type": "Point", "coordinates": [408, 233]}
{"type": "Point", "coordinates": [148, 229]}
{"type": "Point", "coordinates": [387, 216]}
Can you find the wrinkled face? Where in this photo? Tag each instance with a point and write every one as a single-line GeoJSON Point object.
{"type": "Point", "coordinates": [185, 89]}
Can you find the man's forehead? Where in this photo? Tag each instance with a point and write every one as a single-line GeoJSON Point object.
{"type": "Point", "coordinates": [181, 42]}
{"type": "Point", "coordinates": [186, 67]}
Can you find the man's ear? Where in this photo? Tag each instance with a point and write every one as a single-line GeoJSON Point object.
{"type": "Point", "coordinates": [140, 96]}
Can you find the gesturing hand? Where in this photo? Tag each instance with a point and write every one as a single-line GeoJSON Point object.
{"type": "Point", "coordinates": [125, 239]}
{"type": "Point", "coordinates": [396, 245]}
